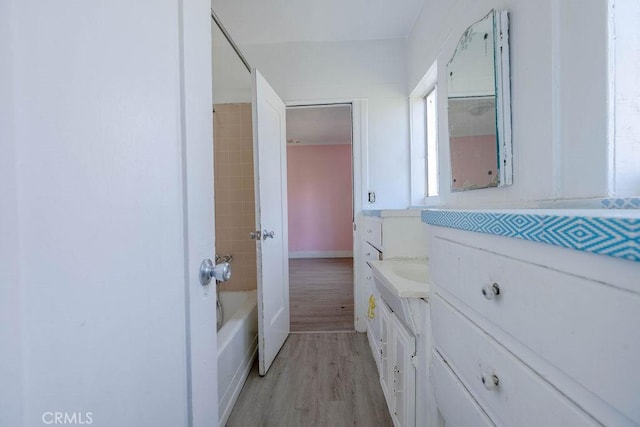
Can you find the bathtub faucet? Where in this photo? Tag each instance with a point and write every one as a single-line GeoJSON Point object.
{"type": "Point", "coordinates": [224, 258]}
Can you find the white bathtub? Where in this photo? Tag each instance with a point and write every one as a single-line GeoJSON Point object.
{"type": "Point", "coordinates": [237, 347]}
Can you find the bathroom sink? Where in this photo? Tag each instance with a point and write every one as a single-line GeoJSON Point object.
{"type": "Point", "coordinates": [403, 284]}
{"type": "Point", "coordinates": [416, 272]}
{"type": "Point", "coordinates": [402, 277]}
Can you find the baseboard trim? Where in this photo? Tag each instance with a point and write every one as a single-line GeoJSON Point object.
{"type": "Point", "coordinates": [321, 254]}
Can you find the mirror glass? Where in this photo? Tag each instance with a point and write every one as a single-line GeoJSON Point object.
{"type": "Point", "coordinates": [476, 108]}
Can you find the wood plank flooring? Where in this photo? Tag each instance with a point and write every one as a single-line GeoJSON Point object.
{"type": "Point", "coordinates": [317, 379]}
{"type": "Point", "coordinates": [321, 294]}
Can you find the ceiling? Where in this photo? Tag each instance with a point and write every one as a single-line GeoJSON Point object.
{"type": "Point", "coordinates": [279, 21]}
{"type": "Point", "coordinates": [319, 125]}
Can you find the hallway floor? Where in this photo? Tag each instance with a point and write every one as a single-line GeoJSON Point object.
{"type": "Point", "coordinates": [321, 294]}
{"type": "Point", "coordinates": [317, 380]}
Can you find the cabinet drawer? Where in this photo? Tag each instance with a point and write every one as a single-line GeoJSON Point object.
{"type": "Point", "coordinates": [571, 322]}
{"type": "Point", "coordinates": [373, 232]}
{"type": "Point", "coordinates": [479, 361]}
{"type": "Point", "coordinates": [371, 253]}
{"type": "Point", "coordinates": [455, 404]}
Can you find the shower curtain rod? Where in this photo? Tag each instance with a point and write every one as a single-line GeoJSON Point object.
{"type": "Point", "coordinates": [230, 40]}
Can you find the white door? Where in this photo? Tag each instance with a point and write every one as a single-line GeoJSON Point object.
{"type": "Point", "coordinates": [106, 151]}
{"type": "Point", "coordinates": [270, 151]}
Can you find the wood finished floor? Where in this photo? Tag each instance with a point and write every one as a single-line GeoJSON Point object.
{"type": "Point", "coordinates": [321, 294]}
{"type": "Point", "coordinates": [317, 379]}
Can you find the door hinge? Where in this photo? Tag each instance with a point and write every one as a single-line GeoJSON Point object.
{"type": "Point", "coordinates": [414, 360]}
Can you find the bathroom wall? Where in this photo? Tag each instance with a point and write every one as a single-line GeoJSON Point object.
{"type": "Point", "coordinates": [234, 192]}
{"type": "Point", "coordinates": [626, 62]}
{"type": "Point", "coordinates": [373, 70]}
{"type": "Point", "coordinates": [559, 84]}
{"type": "Point", "coordinates": [320, 200]}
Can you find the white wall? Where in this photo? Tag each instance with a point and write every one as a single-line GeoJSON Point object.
{"type": "Point", "coordinates": [559, 89]}
{"type": "Point", "coordinates": [375, 70]}
{"type": "Point", "coordinates": [93, 165]}
{"type": "Point", "coordinates": [626, 61]}
{"type": "Point", "coordinates": [10, 316]}
{"type": "Point", "coordinates": [231, 79]}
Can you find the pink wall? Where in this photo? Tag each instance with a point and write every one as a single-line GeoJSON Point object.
{"type": "Point", "coordinates": [472, 158]}
{"type": "Point", "coordinates": [320, 198]}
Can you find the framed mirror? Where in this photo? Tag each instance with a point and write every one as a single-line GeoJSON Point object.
{"type": "Point", "coordinates": [479, 106]}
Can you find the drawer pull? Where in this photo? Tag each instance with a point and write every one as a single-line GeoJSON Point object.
{"type": "Point", "coordinates": [490, 381]}
{"type": "Point", "coordinates": [491, 291]}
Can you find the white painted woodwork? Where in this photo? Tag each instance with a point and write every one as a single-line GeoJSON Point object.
{"type": "Point", "coordinates": [568, 315]}
{"type": "Point", "coordinates": [511, 402]}
{"type": "Point", "coordinates": [11, 370]}
{"type": "Point", "coordinates": [269, 137]}
{"type": "Point", "coordinates": [371, 253]}
{"type": "Point", "coordinates": [373, 232]}
{"type": "Point", "coordinates": [455, 405]}
{"type": "Point", "coordinates": [386, 350]}
{"type": "Point", "coordinates": [403, 373]}
{"type": "Point", "coordinates": [110, 105]}
{"type": "Point", "coordinates": [568, 304]}
{"type": "Point", "coordinates": [198, 200]}
{"type": "Point", "coordinates": [393, 343]}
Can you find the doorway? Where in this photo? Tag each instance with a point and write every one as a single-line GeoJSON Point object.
{"type": "Point", "coordinates": [320, 217]}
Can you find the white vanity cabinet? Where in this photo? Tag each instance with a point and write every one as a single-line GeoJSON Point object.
{"type": "Point", "coordinates": [531, 334]}
{"type": "Point", "coordinates": [397, 331]}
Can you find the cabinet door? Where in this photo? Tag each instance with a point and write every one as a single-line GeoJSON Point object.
{"type": "Point", "coordinates": [373, 325]}
{"type": "Point", "coordinates": [404, 376]}
{"type": "Point", "coordinates": [386, 350]}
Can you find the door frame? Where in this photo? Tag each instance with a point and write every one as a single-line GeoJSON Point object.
{"type": "Point", "coordinates": [360, 160]}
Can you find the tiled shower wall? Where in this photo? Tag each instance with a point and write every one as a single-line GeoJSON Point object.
{"type": "Point", "coordinates": [234, 192]}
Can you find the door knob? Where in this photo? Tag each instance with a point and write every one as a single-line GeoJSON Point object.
{"type": "Point", "coordinates": [221, 272]}
{"type": "Point", "coordinates": [491, 291]}
{"type": "Point", "coordinates": [267, 234]}
{"type": "Point", "coordinates": [255, 235]}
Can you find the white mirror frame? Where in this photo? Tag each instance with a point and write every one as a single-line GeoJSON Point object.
{"type": "Point", "coordinates": [503, 98]}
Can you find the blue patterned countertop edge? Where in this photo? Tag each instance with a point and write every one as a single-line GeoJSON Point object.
{"type": "Point", "coordinates": [621, 203]}
{"type": "Point", "coordinates": [613, 236]}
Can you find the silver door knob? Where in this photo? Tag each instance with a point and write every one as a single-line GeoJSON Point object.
{"type": "Point", "coordinates": [221, 272]}
{"type": "Point", "coordinates": [255, 235]}
{"type": "Point", "coordinates": [267, 235]}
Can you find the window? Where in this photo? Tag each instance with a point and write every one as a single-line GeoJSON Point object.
{"type": "Point", "coordinates": [431, 137]}
{"type": "Point", "coordinates": [423, 104]}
